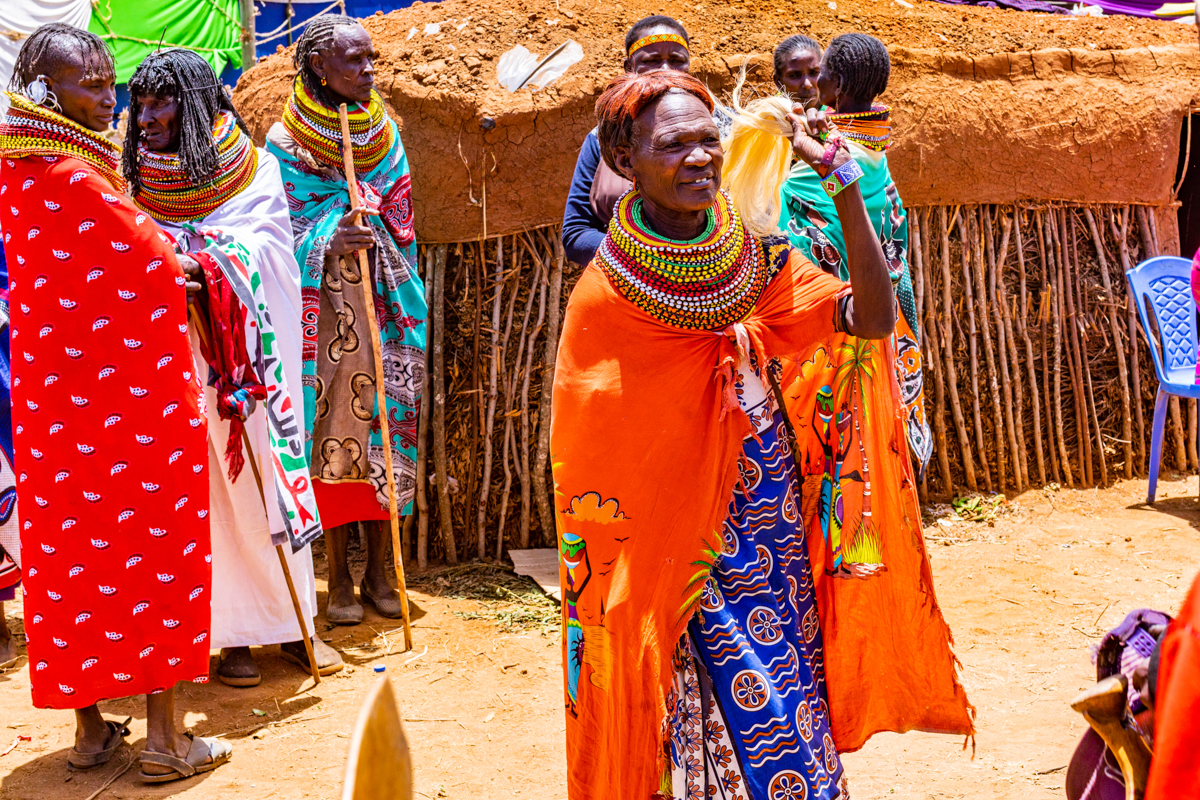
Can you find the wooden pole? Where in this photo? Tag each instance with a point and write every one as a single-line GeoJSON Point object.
{"type": "Point", "coordinates": [423, 438]}
{"type": "Point", "coordinates": [287, 572]}
{"type": "Point", "coordinates": [248, 56]}
{"type": "Point", "coordinates": [437, 384]}
{"type": "Point", "coordinates": [380, 395]}
{"type": "Point", "coordinates": [947, 340]}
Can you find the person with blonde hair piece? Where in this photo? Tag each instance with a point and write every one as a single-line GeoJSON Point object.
{"type": "Point", "coordinates": [854, 71]}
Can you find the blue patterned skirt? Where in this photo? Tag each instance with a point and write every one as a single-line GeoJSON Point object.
{"type": "Point", "coordinates": [748, 715]}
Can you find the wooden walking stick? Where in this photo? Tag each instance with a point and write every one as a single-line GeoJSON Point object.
{"type": "Point", "coordinates": [380, 395]}
{"type": "Point", "coordinates": [287, 573]}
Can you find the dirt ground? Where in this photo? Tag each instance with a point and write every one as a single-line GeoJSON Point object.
{"type": "Point", "coordinates": [1027, 594]}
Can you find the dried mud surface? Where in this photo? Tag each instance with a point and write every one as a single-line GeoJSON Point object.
{"type": "Point", "coordinates": [990, 105]}
{"type": "Point", "coordinates": [1026, 599]}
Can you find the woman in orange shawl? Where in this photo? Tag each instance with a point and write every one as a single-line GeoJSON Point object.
{"type": "Point", "coordinates": [693, 647]}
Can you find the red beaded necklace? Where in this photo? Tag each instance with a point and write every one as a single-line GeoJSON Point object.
{"type": "Point", "coordinates": [707, 283]}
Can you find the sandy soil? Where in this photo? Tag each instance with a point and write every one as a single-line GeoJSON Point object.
{"type": "Point", "coordinates": [1026, 596]}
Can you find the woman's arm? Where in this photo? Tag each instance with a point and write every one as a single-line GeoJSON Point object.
{"type": "Point", "coordinates": [582, 231]}
{"type": "Point", "coordinates": [871, 312]}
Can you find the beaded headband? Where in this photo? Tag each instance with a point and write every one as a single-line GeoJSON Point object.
{"type": "Point", "coordinates": [655, 39]}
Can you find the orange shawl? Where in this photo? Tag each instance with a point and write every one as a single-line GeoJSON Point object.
{"type": "Point", "coordinates": [644, 462]}
{"type": "Point", "coordinates": [887, 647]}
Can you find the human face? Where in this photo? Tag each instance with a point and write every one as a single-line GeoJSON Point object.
{"type": "Point", "coordinates": [675, 160]}
{"type": "Point", "coordinates": [660, 55]}
{"type": "Point", "coordinates": [827, 88]}
{"type": "Point", "coordinates": [86, 91]}
{"type": "Point", "coordinates": [158, 121]}
{"type": "Point", "coordinates": [799, 77]}
{"type": "Point", "coordinates": [348, 67]}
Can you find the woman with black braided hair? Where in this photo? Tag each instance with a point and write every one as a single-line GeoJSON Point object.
{"type": "Point", "coordinates": [191, 165]}
{"type": "Point", "coordinates": [110, 444]}
{"type": "Point", "coordinates": [854, 71]}
{"type": "Point", "coordinates": [335, 62]}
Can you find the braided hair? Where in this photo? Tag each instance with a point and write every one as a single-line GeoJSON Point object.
{"type": "Point", "coordinates": [642, 26]}
{"type": "Point", "coordinates": [48, 49]}
{"type": "Point", "coordinates": [319, 36]}
{"type": "Point", "coordinates": [790, 47]}
{"type": "Point", "coordinates": [861, 65]}
{"type": "Point", "coordinates": [184, 75]}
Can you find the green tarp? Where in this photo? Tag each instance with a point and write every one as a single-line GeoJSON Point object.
{"type": "Point", "coordinates": [134, 28]}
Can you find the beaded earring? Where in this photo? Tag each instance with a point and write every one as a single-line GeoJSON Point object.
{"type": "Point", "coordinates": [323, 82]}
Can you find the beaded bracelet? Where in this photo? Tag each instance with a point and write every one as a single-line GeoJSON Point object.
{"type": "Point", "coordinates": [840, 178]}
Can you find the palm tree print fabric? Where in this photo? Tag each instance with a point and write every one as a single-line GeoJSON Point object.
{"type": "Point", "coordinates": [810, 221]}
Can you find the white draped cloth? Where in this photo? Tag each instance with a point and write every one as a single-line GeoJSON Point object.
{"type": "Point", "coordinates": [250, 600]}
{"type": "Point", "coordinates": [19, 18]}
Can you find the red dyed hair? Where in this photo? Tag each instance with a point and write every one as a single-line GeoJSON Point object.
{"type": "Point", "coordinates": [628, 96]}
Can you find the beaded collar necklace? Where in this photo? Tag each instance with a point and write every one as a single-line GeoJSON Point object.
{"type": "Point", "coordinates": [871, 129]}
{"type": "Point", "coordinates": [316, 127]}
{"type": "Point", "coordinates": [707, 283]}
{"type": "Point", "coordinates": [168, 194]}
{"type": "Point", "coordinates": [32, 130]}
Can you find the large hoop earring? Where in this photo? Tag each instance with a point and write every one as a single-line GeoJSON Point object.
{"type": "Point", "coordinates": [39, 93]}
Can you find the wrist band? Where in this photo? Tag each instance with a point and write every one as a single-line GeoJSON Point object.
{"type": "Point", "coordinates": [840, 178]}
{"type": "Point", "coordinates": [832, 140]}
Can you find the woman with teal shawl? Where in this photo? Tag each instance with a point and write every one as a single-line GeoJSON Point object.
{"type": "Point", "coordinates": [854, 71]}
{"type": "Point", "coordinates": [335, 57]}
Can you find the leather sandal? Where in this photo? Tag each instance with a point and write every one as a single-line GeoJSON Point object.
{"type": "Point", "coordinates": [389, 608]}
{"type": "Point", "coordinates": [237, 668]}
{"type": "Point", "coordinates": [117, 731]}
{"type": "Point", "coordinates": [295, 653]}
{"type": "Point", "coordinates": [344, 615]}
{"type": "Point", "coordinates": [197, 761]}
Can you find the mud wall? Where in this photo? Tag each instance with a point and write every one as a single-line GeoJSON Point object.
{"type": "Point", "coordinates": [989, 105]}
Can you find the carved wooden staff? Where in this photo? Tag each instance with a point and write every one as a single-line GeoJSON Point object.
{"type": "Point", "coordinates": [381, 397]}
{"type": "Point", "coordinates": [287, 573]}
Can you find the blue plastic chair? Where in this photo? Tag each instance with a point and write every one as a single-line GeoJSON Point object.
{"type": "Point", "coordinates": [1162, 286]}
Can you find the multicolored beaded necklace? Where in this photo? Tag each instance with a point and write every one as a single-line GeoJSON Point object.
{"type": "Point", "coordinates": [168, 194]}
{"type": "Point", "coordinates": [32, 130]}
{"type": "Point", "coordinates": [871, 129]}
{"type": "Point", "coordinates": [705, 284]}
{"type": "Point", "coordinates": [316, 127]}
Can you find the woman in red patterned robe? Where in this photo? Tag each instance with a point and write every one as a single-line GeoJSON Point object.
{"type": "Point", "coordinates": [110, 438]}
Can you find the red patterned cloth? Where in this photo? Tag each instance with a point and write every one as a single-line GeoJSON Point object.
{"type": "Point", "coordinates": [111, 441]}
{"type": "Point", "coordinates": [223, 345]}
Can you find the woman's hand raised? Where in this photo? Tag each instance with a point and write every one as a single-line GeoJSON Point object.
{"type": "Point", "coordinates": [807, 126]}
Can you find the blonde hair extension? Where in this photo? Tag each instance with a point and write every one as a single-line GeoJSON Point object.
{"type": "Point", "coordinates": [758, 154]}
